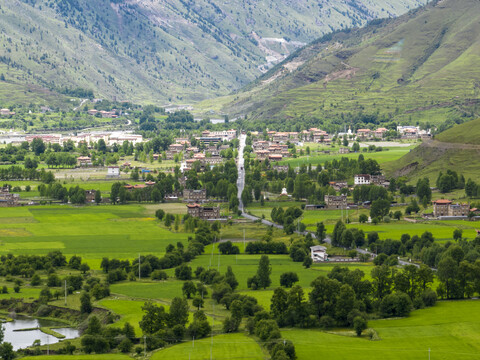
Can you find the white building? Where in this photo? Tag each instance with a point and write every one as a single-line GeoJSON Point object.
{"type": "Point", "coordinates": [113, 171]}
{"type": "Point", "coordinates": [318, 253]}
{"type": "Point", "coordinates": [362, 179]}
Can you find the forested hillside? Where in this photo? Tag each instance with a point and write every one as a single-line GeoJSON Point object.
{"type": "Point", "coordinates": [418, 68]}
{"type": "Point", "coordinates": [169, 50]}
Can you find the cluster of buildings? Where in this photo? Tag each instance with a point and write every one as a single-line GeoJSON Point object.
{"type": "Point", "coordinates": [105, 114]}
{"type": "Point", "coordinates": [366, 179]}
{"type": "Point", "coordinates": [214, 137]}
{"type": "Point", "coordinates": [6, 112]}
{"type": "Point", "coordinates": [270, 150]}
{"type": "Point", "coordinates": [413, 132]}
{"type": "Point", "coordinates": [8, 199]}
{"type": "Point", "coordinates": [110, 138]}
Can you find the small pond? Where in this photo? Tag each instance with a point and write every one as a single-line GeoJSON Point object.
{"type": "Point", "coordinates": [23, 339]}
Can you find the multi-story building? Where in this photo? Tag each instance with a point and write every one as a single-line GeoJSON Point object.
{"type": "Point", "coordinates": [194, 195]}
{"type": "Point", "coordinates": [336, 202]}
{"type": "Point", "coordinates": [365, 179]}
{"type": "Point", "coordinates": [203, 212]}
{"type": "Point", "coordinates": [444, 207]}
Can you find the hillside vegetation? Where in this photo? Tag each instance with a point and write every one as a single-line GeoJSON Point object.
{"type": "Point", "coordinates": [456, 149]}
{"type": "Point", "coordinates": [420, 67]}
{"type": "Point", "coordinates": [168, 50]}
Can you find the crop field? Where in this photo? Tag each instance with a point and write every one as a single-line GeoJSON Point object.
{"type": "Point", "coordinates": [81, 357]}
{"type": "Point", "coordinates": [451, 330]}
{"type": "Point", "coordinates": [245, 266]}
{"type": "Point", "coordinates": [92, 232]}
{"type": "Point", "coordinates": [231, 346]}
{"type": "Point", "coordinates": [385, 156]}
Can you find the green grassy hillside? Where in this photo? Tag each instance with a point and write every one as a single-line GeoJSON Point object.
{"type": "Point", "coordinates": [456, 148]}
{"type": "Point", "coordinates": [169, 50]}
{"type": "Point", "coordinates": [421, 67]}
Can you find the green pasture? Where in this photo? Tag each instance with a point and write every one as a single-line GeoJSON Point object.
{"type": "Point", "coordinates": [92, 232]}
{"type": "Point", "coordinates": [441, 230]}
{"type": "Point", "coordinates": [161, 290]}
{"type": "Point", "coordinates": [231, 346]}
{"type": "Point", "coordinates": [451, 330]}
{"type": "Point", "coordinates": [245, 266]}
{"type": "Point", "coordinates": [385, 156]}
{"type": "Point", "coordinates": [129, 311]}
{"type": "Point", "coordinates": [80, 357]}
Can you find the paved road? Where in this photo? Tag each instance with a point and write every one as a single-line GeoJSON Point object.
{"type": "Point", "coordinates": [241, 171]}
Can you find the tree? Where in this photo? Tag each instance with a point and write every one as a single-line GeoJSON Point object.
{"type": "Point", "coordinates": [6, 351]}
{"type": "Point", "coordinates": [457, 234]}
{"type": "Point", "coordinates": [379, 208]}
{"type": "Point", "coordinates": [288, 279]}
{"type": "Point", "coordinates": [362, 218]}
{"type": "Point", "coordinates": [321, 232]}
{"type": "Point", "coordinates": [189, 289]}
{"type": "Point", "coordinates": [307, 262]}
{"type": "Point", "coordinates": [197, 302]}
{"type": "Point", "coordinates": [160, 214]}
{"type": "Point", "coordinates": [154, 319]}
{"type": "Point", "coordinates": [263, 272]}
{"type": "Point", "coordinates": [38, 146]}
{"type": "Point", "coordinates": [231, 279]}
{"type": "Point", "coordinates": [423, 190]}
{"type": "Point", "coordinates": [337, 233]}
{"type": "Point", "coordinates": [359, 324]}
{"type": "Point", "coordinates": [446, 273]}
{"type": "Point", "coordinates": [85, 303]}
{"type": "Point", "coordinates": [178, 314]}
{"type": "Point", "coordinates": [227, 248]}
{"type": "Point", "coordinates": [98, 197]}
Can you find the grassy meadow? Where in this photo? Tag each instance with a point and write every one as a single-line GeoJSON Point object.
{"type": "Point", "coordinates": [92, 232]}
{"type": "Point", "coordinates": [450, 329]}
{"type": "Point", "coordinates": [388, 154]}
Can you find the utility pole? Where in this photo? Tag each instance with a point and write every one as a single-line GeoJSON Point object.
{"type": "Point", "coordinates": [243, 239]}
{"type": "Point", "coordinates": [65, 292]}
{"type": "Point", "coordinates": [193, 340]}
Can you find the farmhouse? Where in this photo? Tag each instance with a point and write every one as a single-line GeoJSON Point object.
{"type": "Point", "coordinates": [203, 212]}
{"type": "Point", "coordinates": [338, 185]}
{"type": "Point", "coordinates": [7, 199]}
{"type": "Point", "coordinates": [344, 150]}
{"type": "Point", "coordinates": [336, 202]}
{"type": "Point", "coordinates": [318, 253]}
{"type": "Point", "coordinates": [90, 196]}
{"type": "Point", "coordinates": [84, 161]}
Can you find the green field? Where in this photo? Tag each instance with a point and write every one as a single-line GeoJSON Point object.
{"type": "Point", "coordinates": [387, 155]}
{"type": "Point", "coordinates": [92, 232]}
{"type": "Point", "coordinates": [450, 329]}
{"type": "Point", "coordinates": [80, 357]}
{"type": "Point", "coordinates": [233, 346]}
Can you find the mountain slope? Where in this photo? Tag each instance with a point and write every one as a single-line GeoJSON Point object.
{"type": "Point", "coordinates": [167, 50]}
{"type": "Point", "coordinates": [421, 66]}
{"type": "Point", "coordinates": [456, 148]}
